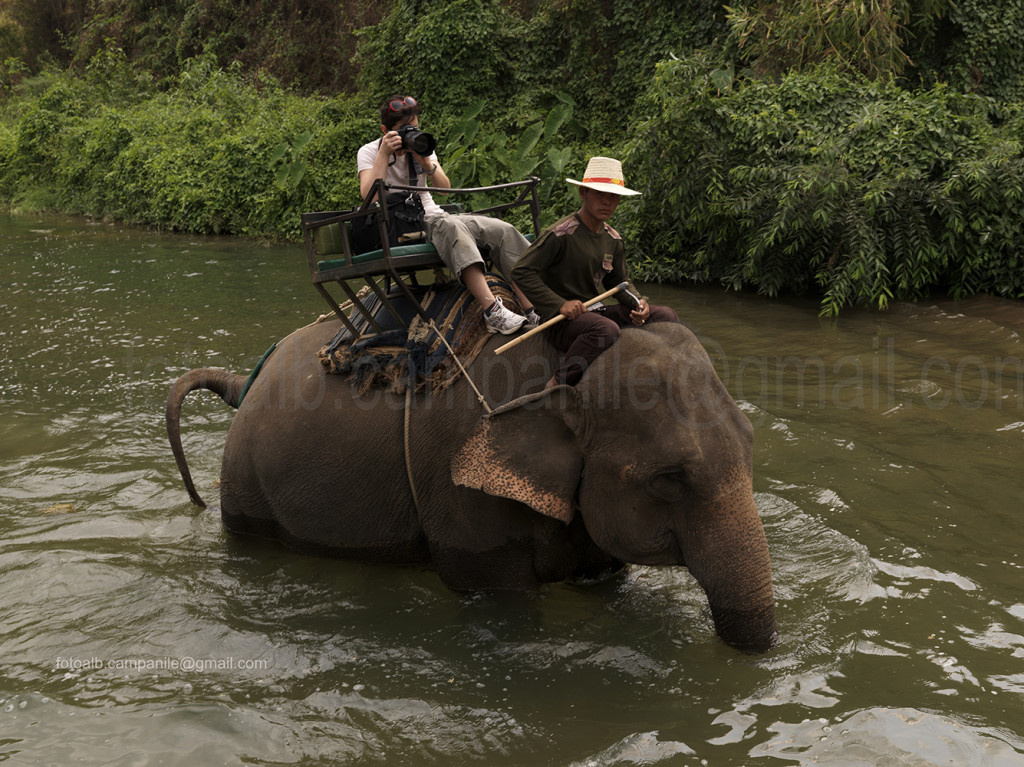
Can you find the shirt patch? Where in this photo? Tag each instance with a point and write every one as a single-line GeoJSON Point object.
{"type": "Point", "coordinates": [612, 232]}
{"type": "Point", "coordinates": [566, 226]}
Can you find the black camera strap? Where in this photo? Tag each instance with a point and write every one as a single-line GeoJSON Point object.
{"type": "Point", "coordinates": [414, 167]}
{"type": "Point", "coordinates": [413, 170]}
{"type": "Point", "coordinates": [413, 176]}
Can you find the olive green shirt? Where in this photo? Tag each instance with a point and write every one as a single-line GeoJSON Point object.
{"type": "Point", "coordinates": [570, 262]}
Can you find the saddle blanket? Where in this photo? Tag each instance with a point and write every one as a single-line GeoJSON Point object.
{"type": "Point", "coordinates": [415, 356]}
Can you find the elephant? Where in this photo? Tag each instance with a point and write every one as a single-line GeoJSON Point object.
{"type": "Point", "coordinates": [647, 460]}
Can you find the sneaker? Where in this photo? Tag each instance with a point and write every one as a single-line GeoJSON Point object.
{"type": "Point", "coordinates": [501, 320]}
{"type": "Point", "coordinates": [532, 319]}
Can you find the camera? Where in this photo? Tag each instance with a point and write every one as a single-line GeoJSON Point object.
{"type": "Point", "coordinates": [416, 140]}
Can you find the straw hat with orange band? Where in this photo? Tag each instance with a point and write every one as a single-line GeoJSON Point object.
{"type": "Point", "coordinates": [605, 175]}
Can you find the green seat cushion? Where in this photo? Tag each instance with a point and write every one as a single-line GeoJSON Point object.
{"type": "Point", "coordinates": [420, 248]}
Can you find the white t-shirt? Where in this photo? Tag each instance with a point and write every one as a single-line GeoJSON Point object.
{"type": "Point", "coordinates": [398, 173]}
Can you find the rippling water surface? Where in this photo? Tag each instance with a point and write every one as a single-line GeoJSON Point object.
{"type": "Point", "coordinates": [133, 630]}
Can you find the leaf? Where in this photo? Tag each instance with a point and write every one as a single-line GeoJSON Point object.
{"type": "Point", "coordinates": [556, 118]}
{"type": "Point", "coordinates": [565, 98]}
{"type": "Point", "coordinates": [473, 110]}
{"type": "Point", "coordinates": [457, 132]}
{"type": "Point", "coordinates": [722, 79]}
{"type": "Point", "coordinates": [301, 141]}
{"type": "Point", "coordinates": [470, 131]}
{"type": "Point", "coordinates": [486, 176]}
{"type": "Point", "coordinates": [524, 168]}
{"type": "Point", "coordinates": [559, 159]}
{"type": "Point", "coordinates": [278, 154]}
{"type": "Point", "coordinates": [298, 170]}
{"type": "Point", "coordinates": [528, 141]}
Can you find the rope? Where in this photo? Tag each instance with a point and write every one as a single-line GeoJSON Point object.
{"type": "Point", "coordinates": [408, 461]}
{"type": "Point", "coordinates": [408, 415]}
{"type": "Point", "coordinates": [479, 396]}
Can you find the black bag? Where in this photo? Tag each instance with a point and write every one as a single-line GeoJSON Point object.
{"type": "Point", "coordinates": [405, 217]}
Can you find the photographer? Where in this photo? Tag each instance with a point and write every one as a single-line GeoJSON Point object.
{"type": "Point", "coordinates": [457, 238]}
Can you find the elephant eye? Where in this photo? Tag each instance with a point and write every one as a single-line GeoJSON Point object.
{"type": "Point", "coordinates": [669, 485]}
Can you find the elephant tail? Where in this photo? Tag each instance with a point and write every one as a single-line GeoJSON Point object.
{"type": "Point", "coordinates": [230, 388]}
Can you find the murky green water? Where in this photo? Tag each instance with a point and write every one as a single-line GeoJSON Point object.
{"type": "Point", "coordinates": [133, 630]}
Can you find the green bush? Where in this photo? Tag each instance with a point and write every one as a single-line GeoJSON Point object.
{"type": "Point", "coordinates": [454, 53]}
{"type": "Point", "coordinates": [212, 155]}
{"type": "Point", "coordinates": [39, 137]}
{"type": "Point", "coordinates": [861, 190]}
{"type": "Point", "coordinates": [864, 36]}
{"type": "Point", "coordinates": [976, 46]}
{"type": "Point", "coordinates": [8, 147]}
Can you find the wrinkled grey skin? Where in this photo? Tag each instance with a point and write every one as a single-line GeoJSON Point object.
{"type": "Point", "coordinates": [648, 460]}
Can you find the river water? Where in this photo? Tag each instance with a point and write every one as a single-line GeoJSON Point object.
{"type": "Point", "coordinates": [134, 630]}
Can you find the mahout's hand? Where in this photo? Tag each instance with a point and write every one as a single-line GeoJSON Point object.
{"type": "Point", "coordinates": [572, 309]}
{"type": "Point", "coordinates": [641, 313]}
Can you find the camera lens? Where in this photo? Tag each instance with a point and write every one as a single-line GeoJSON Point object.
{"type": "Point", "coordinates": [416, 140]}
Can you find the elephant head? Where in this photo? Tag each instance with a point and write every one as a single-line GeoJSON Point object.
{"type": "Point", "coordinates": [655, 456]}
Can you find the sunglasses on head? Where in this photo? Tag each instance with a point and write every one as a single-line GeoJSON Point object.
{"type": "Point", "coordinates": [399, 104]}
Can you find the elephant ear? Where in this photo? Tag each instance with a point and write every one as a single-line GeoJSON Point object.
{"type": "Point", "coordinates": [528, 451]}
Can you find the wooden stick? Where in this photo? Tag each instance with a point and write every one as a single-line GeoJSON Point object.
{"type": "Point", "coordinates": [559, 318]}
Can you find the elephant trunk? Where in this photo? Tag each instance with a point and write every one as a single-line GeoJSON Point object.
{"type": "Point", "coordinates": [228, 385]}
{"type": "Point", "coordinates": [729, 558]}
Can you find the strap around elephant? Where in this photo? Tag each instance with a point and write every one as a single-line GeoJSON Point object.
{"type": "Point", "coordinates": [408, 453]}
{"type": "Point", "coordinates": [255, 372]}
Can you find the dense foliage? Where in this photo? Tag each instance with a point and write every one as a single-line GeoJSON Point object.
{"type": "Point", "coordinates": [455, 52]}
{"type": "Point", "coordinates": [975, 46]}
{"type": "Point", "coordinates": [866, 151]}
{"type": "Point", "coordinates": [859, 188]}
{"type": "Point", "coordinates": [307, 44]}
{"type": "Point", "coordinates": [868, 36]}
{"type": "Point", "coordinates": [972, 45]}
{"type": "Point", "coordinates": [206, 156]}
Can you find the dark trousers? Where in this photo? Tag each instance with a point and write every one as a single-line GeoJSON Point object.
{"type": "Point", "coordinates": [585, 337]}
